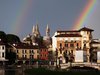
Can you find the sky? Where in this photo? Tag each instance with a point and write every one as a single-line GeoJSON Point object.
{"type": "Point", "coordinates": [19, 16]}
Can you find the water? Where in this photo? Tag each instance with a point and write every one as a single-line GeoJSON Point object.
{"type": "Point", "coordinates": [11, 72]}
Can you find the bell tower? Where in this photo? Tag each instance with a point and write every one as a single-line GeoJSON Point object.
{"type": "Point", "coordinates": [47, 31]}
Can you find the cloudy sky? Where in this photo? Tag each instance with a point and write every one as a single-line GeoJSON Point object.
{"type": "Point", "coordinates": [19, 16]}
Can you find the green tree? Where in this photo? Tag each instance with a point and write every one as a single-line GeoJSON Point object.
{"type": "Point", "coordinates": [11, 56]}
{"type": "Point", "coordinates": [3, 36]}
{"type": "Point", "coordinates": [11, 38]}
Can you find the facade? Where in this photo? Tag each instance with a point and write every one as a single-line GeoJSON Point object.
{"type": "Point", "coordinates": [43, 53]}
{"type": "Point", "coordinates": [47, 41]}
{"type": "Point", "coordinates": [98, 56]}
{"type": "Point", "coordinates": [79, 56]}
{"type": "Point", "coordinates": [26, 53]}
{"type": "Point", "coordinates": [95, 50]}
{"type": "Point", "coordinates": [65, 43]}
{"type": "Point", "coordinates": [95, 43]}
{"type": "Point", "coordinates": [44, 43]}
{"type": "Point", "coordinates": [34, 37]}
{"type": "Point", "coordinates": [2, 51]}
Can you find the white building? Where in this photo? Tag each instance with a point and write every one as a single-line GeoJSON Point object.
{"type": "Point", "coordinates": [96, 50]}
{"type": "Point", "coordinates": [70, 41]}
{"type": "Point", "coordinates": [2, 51]}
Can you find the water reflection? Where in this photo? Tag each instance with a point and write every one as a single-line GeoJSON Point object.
{"type": "Point", "coordinates": [11, 72]}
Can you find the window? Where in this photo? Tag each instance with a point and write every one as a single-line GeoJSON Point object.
{"type": "Point", "coordinates": [77, 44]}
{"type": "Point", "coordinates": [45, 50]}
{"type": "Point", "coordinates": [22, 56]}
{"type": "Point", "coordinates": [17, 56]}
{"type": "Point", "coordinates": [31, 56]}
{"type": "Point", "coordinates": [71, 45]}
{"type": "Point", "coordinates": [23, 51]}
{"type": "Point", "coordinates": [25, 56]}
{"type": "Point", "coordinates": [72, 51]}
{"type": "Point", "coordinates": [60, 51]}
{"type": "Point", "coordinates": [38, 51]}
{"type": "Point", "coordinates": [32, 51]}
{"type": "Point", "coordinates": [87, 32]}
{"type": "Point", "coordinates": [60, 45]}
{"type": "Point", "coordinates": [37, 56]}
{"type": "Point", "coordinates": [41, 55]}
{"type": "Point", "coordinates": [17, 51]}
{"type": "Point", "coordinates": [84, 45]}
{"type": "Point", "coordinates": [45, 55]}
{"type": "Point", "coordinates": [66, 45]}
{"type": "Point", "coordinates": [3, 54]}
{"type": "Point", "coordinates": [3, 47]}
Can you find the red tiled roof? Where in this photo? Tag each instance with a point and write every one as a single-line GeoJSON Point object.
{"type": "Point", "coordinates": [68, 35]}
{"type": "Point", "coordinates": [86, 29]}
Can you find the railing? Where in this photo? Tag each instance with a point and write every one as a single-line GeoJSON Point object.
{"type": "Point", "coordinates": [93, 65]}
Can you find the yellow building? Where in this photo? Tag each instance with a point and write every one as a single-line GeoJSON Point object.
{"type": "Point", "coordinates": [65, 43]}
{"type": "Point", "coordinates": [26, 53]}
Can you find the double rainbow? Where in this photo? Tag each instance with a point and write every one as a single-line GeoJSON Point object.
{"type": "Point", "coordinates": [82, 19]}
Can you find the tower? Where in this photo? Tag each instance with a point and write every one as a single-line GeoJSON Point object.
{"type": "Point", "coordinates": [37, 31]}
{"type": "Point", "coordinates": [33, 35]}
{"type": "Point", "coordinates": [33, 30]}
{"type": "Point", "coordinates": [47, 38]}
{"type": "Point", "coordinates": [47, 31]}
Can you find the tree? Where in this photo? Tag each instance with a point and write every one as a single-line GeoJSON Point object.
{"type": "Point", "coordinates": [11, 56]}
{"type": "Point", "coordinates": [3, 36]}
{"type": "Point", "coordinates": [11, 38]}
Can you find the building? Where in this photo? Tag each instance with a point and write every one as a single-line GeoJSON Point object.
{"type": "Point", "coordinates": [36, 39]}
{"type": "Point", "coordinates": [43, 53]}
{"type": "Point", "coordinates": [95, 50]}
{"type": "Point", "coordinates": [65, 43]}
{"type": "Point", "coordinates": [26, 53]}
{"type": "Point", "coordinates": [2, 52]}
{"type": "Point", "coordinates": [47, 41]}
{"type": "Point", "coordinates": [43, 42]}
{"type": "Point", "coordinates": [33, 38]}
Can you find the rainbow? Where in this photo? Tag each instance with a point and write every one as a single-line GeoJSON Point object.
{"type": "Point", "coordinates": [22, 14]}
{"type": "Point", "coordinates": [82, 19]}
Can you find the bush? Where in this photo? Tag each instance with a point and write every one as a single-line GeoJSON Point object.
{"type": "Point", "coordinates": [43, 71]}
